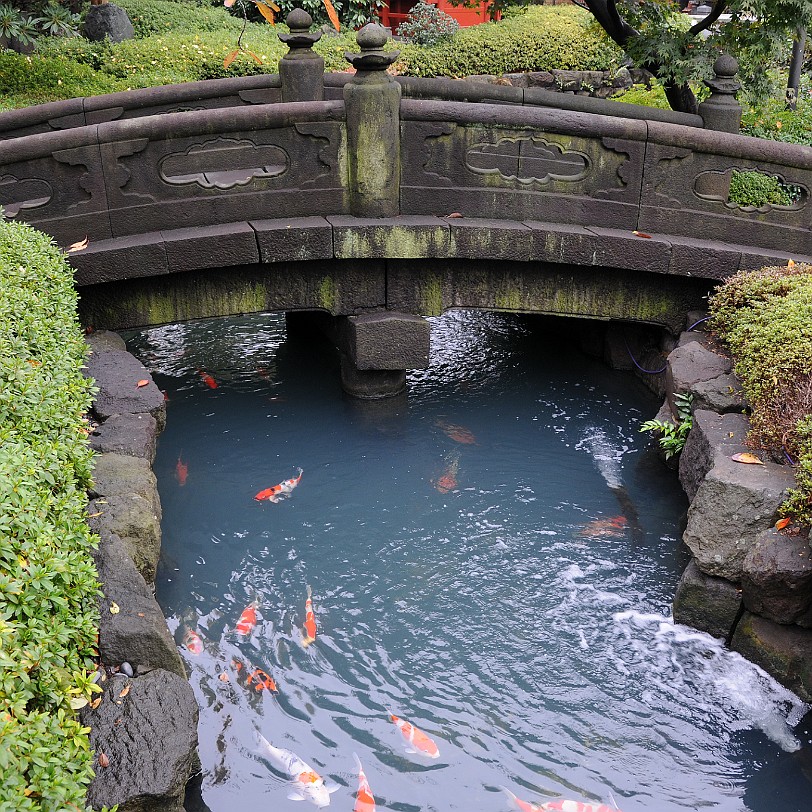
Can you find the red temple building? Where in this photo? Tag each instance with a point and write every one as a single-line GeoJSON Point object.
{"type": "Point", "coordinates": [394, 13]}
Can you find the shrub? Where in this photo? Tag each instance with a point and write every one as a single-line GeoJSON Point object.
{"type": "Point", "coordinates": [165, 16]}
{"type": "Point", "coordinates": [544, 38]}
{"type": "Point", "coordinates": [427, 25]}
{"type": "Point", "coordinates": [773, 121]}
{"type": "Point", "coordinates": [48, 585]}
{"type": "Point", "coordinates": [765, 318]}
{"type": "Point", "coordinates": [758, 189]}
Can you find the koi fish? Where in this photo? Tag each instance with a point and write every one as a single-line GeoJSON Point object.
{"type": "Point", "coordinates": [448, 481]}
{"type": "Point", "coordinates": [280, 491]}
{"type": "Point", "coordinates": [417, 740]}
{"type": "Point", "coordinates": [609, 528]}
{"type": "Point", "coordinates": [364, 800]}
{"type": "Point", "coordinates": [308, 785]}
{"type": "Point", "coordinates": [207, 379]}
{"type": "Point", "coordinates": [181, 471]}
{"type": "Point", "coordinates": [557, 806]}
{"type": "Point", "coordinates": [459, 434]}
{"type": "Point", "coordinates": [192, 642]}
{"type": "Point", "coordinates": [256, 678]}
{"type": "Point", "coordinates": [309, 627]}
{"type": "Point", "coordinates": [248, 620]}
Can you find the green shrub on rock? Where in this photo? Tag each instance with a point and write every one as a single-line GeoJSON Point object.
{"type": "Point", "coordinates": [758, 189]}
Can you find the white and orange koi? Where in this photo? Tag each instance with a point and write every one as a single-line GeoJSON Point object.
{"type": "Point", "coordinates": [248, 620]}
{"type": "Point", "coordinates": [280, 491]}
{"type": "Point", "coordinates": [557, 806]}
{"type": "Point", "coordinates": [364, 800]}
{"type": "Point", "coordinates": [309, 627]}
{"type": "Point", "coordinates": [308, 785]}
{"type": "Point", "coordinates": [416, 739]}
{"type": "Point", "coordinates": [193, 642]}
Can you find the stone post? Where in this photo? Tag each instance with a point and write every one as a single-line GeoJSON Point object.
{"type": "Point", "coordinates": [720, 111]}
{"type": "Point", "coordinates": [372, 102]}
{"type": "Point", "coordinates": [301, 70]}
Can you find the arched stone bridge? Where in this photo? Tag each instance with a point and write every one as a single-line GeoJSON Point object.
{"type": "Point", "coordinates": [379, 201]}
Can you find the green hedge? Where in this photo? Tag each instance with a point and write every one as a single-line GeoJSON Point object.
{"type": "Point", "coordinates": [48, 584]}
{"type": "Point", "coordinates": [752, 188]}
{"type": "Point", "coordinates": [544, 38]}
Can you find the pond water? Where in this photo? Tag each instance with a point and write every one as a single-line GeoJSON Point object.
{"type": "Point", "coordinates": [491, 558]}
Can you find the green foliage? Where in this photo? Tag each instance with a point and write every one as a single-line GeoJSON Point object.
{"type": "Point", "coordinates": [48, 585]}
{"type": "Point", "coordinates": [647, 97]}
{"type": "Point", "coordinates": [427, 25]}
{"type": "Point", "coordinates": [544, 38]}
{"type": "Point", "coordinates": [753, 188]}
{"type": "Point", "coordinates": [765, 318]}
{"type": "Point", "coordinates": [770, 119]}
{"type": "Point", "coordinates": [798, 505]}
{"type": "Point", "coordinates": [673, 435]}
{"type": "Point", "coordinates": [151, 17]}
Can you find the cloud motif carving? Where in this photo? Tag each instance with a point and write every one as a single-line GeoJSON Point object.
{"type": "Point", "coordinates": [28, 193]}
{"type": "Point", "coordinates": [223, 164]}
{"type": "Point", "coordinates": [528, 160]}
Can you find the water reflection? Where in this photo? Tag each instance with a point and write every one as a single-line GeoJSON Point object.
{"type": "Point", "coordinates": [491, 559]}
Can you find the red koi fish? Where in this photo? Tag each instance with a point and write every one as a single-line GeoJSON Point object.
{"type": "Point", "coordinates": [448, 480]}
{"type": "Point", "coordinates": [459, 434]}
{"type": "Point", "coordinates": [248, 620]}
{"type": "Point", "coordinates": [255, 678]}
{"type": "Point", "coordinates": [608, 528]}
{"type": "Point", "coordinates": [309, 627]}
{"type": "Point", "coordinates": [280, 491]}
{"type": "Point", "coordinates": [557, 806]}
{"type": "Point", "coordinates": [192, 642]}
{"type": "Point", "coordinates": [364, 800]}
{"type": "Point", "coordinates": [416, 739]}
{"type": "Point", "coordinates": [181, 471]}
{"type": "Point", "coordinates": [207, 379]}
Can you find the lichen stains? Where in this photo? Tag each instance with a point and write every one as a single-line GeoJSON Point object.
{"type": "Point", "coordinates": [394, 242]}
{"type": "Point", "coordinates": [328, 294]}
{"type": "Point", "coordinates": [510, 299]}
{"type": "Point", "coordinates": [431, 296]}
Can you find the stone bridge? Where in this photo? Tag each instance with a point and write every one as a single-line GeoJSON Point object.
{"type": "Point", "coordinates": [374, 201]}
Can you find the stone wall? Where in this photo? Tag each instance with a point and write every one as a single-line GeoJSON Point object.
{"type": "Point", "coordinates": [748, 583]}
{"type": "Point", "coordinates": [144, 728]}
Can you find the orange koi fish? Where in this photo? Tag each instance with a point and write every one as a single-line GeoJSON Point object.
{"type": "Point", "coordinates": [364, 800]}
{"type": "Point", "coordinates": [207, 379]}
{"type": "Point", "coordinates": [181, 471]}
{"type": "Point", "coordinates": [192, 642]}
{"type": "Point", "coordinates": [309, 627]}
{"type": "Point", "coordinates": [416, 739]}
{"type": "Point", "coordinates": [280, 491]}
{"type": "Point", "coordinates": [448, 480]}
{"type": "Point", "coordinates": [608, 528]}
{"type": "Point", "coordinates": [248, 620]}
{"type": "Point", "coordinates": [459, 434]}
{"type": "Point", "coordinates": [256, 678]}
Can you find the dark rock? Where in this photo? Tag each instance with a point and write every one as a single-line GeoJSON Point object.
{"type": "Point", "coordinates": [117, 375]}
{"type": "Point", "coordinates": [568, 80]}
{"type": "Point", "coordinates": [131, 518]}
{"type": "Point", "coordinates": [482, 78]}
{"type": "Point", "coordinates": [692, 363]}
{"type": "Point", "coordinates": [706, 603]}
{"type": "Point", "coordinates": [103, 340]}
{"type": "Point", "coordinates": [120, 475]}
{"type": "Point", "coordinates": [777, 577]}
{"type": "Point", "coordinates": [541, 78]}
{"type": "Point", "coordinates": [517, 79]}
{"type": "Point", "coordinates": [784, 652]}
{"type": "Point", "coordinates": [711, 435]}
{"type": "Point", "coordinates": [137, 633]}
{"type": "Point", "coordinates": [107, 21]}
{"type": "Point", "coordinates": [133, 435]}
{"type": "Point", "coordinates": [732, 506]}
{"type": "Point", "coordinates": [721, 394]}
{"type": "Point", "coordinates": [622, 80]}
{"type": "Point", "coordinates": [159, 706]}
{"type": "Point", "coordinates": [388, 341]}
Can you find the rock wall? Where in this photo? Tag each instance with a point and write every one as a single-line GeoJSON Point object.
{"type": "Point", "coordinates": [144, 728]}
{"type": "Point", "coordinates": [600, 84]}
{"type": "Point", "coordinates": [747, 582]}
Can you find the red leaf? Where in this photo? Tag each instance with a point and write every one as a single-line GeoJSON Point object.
{"type": "Point", "coordinates": [782, 523]}
{"type": "Point", "coordinates": [331, 13]}
{"type": "Point", "coordinates": [265, 11]}
{"type": "Point", "coordinates": [642, 234]}
{"type": "Point", "coordinates": [254, 57]}
{"type": "Point", "coordinates": [143, 382]}
{"type": "Point", "coordinates": [230, 58]}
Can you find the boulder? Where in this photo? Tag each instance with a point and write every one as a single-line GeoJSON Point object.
{"type": "Point", "coordinates": [117, 374]}
{"type": "Point", "coordinates": [541, 78]}
{"type": "Point", "coordinates": [784, 652]}
{"type": "Point", "coordinates": [105, 340]}
{"type": "Point", "coordinates": [692, 363]}
{"type": "Point", "coordinates": [706, 603]}
{"type": "Point", "coordinates": [734, 503]}
{"type": "Point", "coordinates": [132, 519]}
{"type": "Point", "coordinates": [777, 577]}
{"type": "Point", "coordinates": [133, 435]}
{"type": "Point", "coordinates": [107, 21]}
{"type": "Point", "coordinates": [712, 435]}
{"type": "Point", "coordinates": [721, 394]}
{"type": "Point", "coordinates": [120, 475]}
{"type": "Point", "coordinates": [137, 632]}
{"type": "Point", "coordinates": [159, 707]}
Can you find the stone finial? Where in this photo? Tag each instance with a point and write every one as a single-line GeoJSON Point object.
{"type": "Point", "coordinates": [299, 22]}
{"type": "Point", "coordinates": [301, 69]}
{"type": "Point", "coordinates": [721, 111]}
{"type": "Point", "coordinates": [372, 38]}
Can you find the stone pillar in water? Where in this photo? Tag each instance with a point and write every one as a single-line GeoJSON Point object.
{"type": "Point", "coordinates": [301, 70]}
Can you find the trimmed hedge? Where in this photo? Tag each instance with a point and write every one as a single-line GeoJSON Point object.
{"type": "Point", "coordinates": [48, 584]}
{"type": "Point", "coordinates": [543, 38]}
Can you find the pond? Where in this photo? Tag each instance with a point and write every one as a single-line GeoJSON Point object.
{"type": "Point", "coordinates": [492, 559]}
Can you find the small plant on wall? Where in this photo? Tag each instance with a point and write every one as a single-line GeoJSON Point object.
{"type": "Point", "coordinates": [673, 435]}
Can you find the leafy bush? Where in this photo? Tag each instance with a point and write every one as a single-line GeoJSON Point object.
{"type": "Point", "coordinates": [773, 121]}
{"type": "Point", "coordinates": [544, 38]}
{"type": "Point", "coordinates": [765, 318]}
{"type": "Point", "coordinates": [673, 435]}
{"type": "Point", "coordinates": [427, 25]}
{"type": "Point", "coordinates": [758, 189]}
{"type": "Point", "coordinates": [48, 585]}
{"type": "Point", "coordinates": [165, 16]}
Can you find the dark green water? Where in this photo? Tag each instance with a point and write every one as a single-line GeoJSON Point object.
{"type": "Point", "coordinates": [492, 558]}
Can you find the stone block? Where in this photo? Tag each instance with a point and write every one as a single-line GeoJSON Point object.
{"type": "Point", "coordinates": [120, 475]}
{"type": "Point", "coordinates": [705, 259]}
{"type": "Point", "coordinates": [135, 435]}
{"type": "Point", "coordinates": [540, 78]}
{"type": "Point", "coordinates": [294, 240]}
{"type": "Point", "coordinates": [694, 369]}
{"type": "Point", "coordinates": [475, 238]}
{"type": "Point", "coordinates": [388, 341]}
{"type": "Point", "coordinates": [159, 705]}
{"type": "Point", "coordinates": [102, 340]}
{"type": "Point", "coordinates": [777, 577]}
{"type": "Point", "coordinates": [120, 258]}
{"type": "Point", "coordinates": [216, 246]}
{"type": "Point", "coordinates": [405, 237]}
{"type": "Point", "coordinates": [706, 603]}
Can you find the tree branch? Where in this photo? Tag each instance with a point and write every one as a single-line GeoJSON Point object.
{"type": "Point", "coordinates": [716, 12]}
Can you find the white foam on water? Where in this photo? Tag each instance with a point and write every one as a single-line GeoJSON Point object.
{"type": "Point", "coordinates": [699, 669]}
{"type": "Point", "coordinates": [606, 455]}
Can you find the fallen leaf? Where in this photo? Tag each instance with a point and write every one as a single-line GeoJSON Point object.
{"type": "Point", "coordinates": [331, 13]}
{"type": "Point", "coordinates": [78, 702]}
{"type": "Point", "coordinates": [34, 363]}
{"type": "Point", "coordinates": [782, 523]}
{"type": "Point", "coordinates": [114, 610]}
{"type": "Point", "coordinates": [96, 702]}
{"type": "Point", "coordinates": [125, 690]}
{"type": "Point", "coordinates": [94, 515]}
{"type": "Point", "coordinates": [791, 263]}
{"type": "Point", "coordinates": [103, 760]}
{"type": "Point", "coordinates": [453, 215]}
{"type": "Point", "coordinates": [747, 457]}
{"type": "Point", "coordinates": [142, 382]}
{"type": "Point", "coordinates": [140, 614]}
{"type": "Point", "coordinates": [78, 246]}
{"type": "Point", "coordinates": [642, 234]}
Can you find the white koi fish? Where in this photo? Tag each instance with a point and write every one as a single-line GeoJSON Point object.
{"type": "Point", "coordinates": [281, 491]}
{"type": "Point", "coordinates": [308, 785]}
{"type": "Point", "coordinates": [557, 806]}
